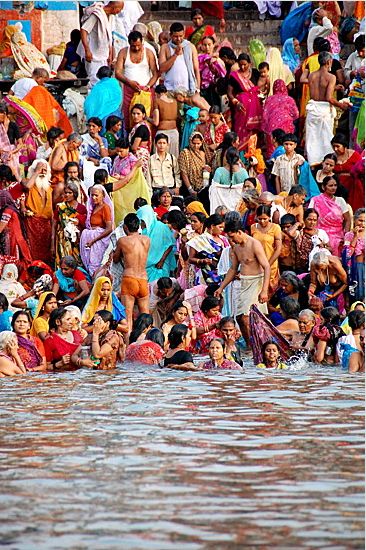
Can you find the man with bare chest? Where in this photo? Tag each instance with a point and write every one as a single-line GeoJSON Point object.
{"type": "Point", "coordinates": [133, 249]}
{"type": "Point", "coordinates": [254, 274]}
{"type": "Point", "coordinates": [320, 111]}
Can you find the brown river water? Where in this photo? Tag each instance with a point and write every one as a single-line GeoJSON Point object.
{"type": "Point", "coordinates": [145, 458]}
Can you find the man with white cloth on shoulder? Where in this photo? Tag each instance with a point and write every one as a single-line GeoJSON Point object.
{"type": "Point", "coordinates": [320, 111]}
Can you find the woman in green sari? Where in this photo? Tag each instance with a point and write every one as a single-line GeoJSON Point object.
{"type": "Point", "coordinates": [67, 225]}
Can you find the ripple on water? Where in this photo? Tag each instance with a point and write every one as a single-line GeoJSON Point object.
{"type": "Point", "coordinates": [148, 459]}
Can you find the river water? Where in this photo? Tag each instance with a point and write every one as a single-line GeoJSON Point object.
{"type": "Point", "coordinates": [143, 458]}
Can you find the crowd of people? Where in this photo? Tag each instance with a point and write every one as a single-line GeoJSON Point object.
{"type": "Point", "coordinates": [213, 206]}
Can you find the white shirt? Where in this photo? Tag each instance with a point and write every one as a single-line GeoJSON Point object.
{"type": "Point", "coordinates": [177, 76]}
{"type": "Point", "coordinates": [319, 30]}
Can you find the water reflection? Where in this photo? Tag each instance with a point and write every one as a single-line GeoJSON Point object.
{"type": "Point", "coordinates": [158, 460]}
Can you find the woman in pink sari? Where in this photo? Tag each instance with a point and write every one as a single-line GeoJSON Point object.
{"type": "Point", "coordinates": [243, 95]}
{"type": "Point", "coordinates": [280, 112]}
{"type": "Point", "coordinates": [334, 216]}
{"type": "Point", "coordinates": [9, 152]}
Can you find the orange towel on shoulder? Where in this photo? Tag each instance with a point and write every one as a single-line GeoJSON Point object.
{"type": "Point", "coordinates": [48, 108]}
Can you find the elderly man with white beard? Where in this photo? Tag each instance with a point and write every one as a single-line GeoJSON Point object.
{"type": "Point", "coordinates": [39, 210]}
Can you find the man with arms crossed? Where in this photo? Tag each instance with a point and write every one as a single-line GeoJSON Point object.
{"type": "Point", "coordinates": [254, 274]}
{"type": "Point", "coordinates": [133, 250]}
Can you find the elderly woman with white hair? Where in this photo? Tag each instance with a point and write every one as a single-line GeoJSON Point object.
{"type": "Point", "coordinates": [10, 362]}
{"type": "Point", "coordinates": [277, 211]}
{"type": "Point", "coordinates": [39, 210]}
{"type": "Point", "coordinates": [328, 279]}
{"type": "Point", "coordinates": [304, 338]}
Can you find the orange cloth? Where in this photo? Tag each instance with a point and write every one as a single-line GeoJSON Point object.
{"type": "Point", "coordinates": [35, 203]}
{"type": "Point", "coordinates": [48, 108]}
{"type": "Point", "coordinates": [100, 218]}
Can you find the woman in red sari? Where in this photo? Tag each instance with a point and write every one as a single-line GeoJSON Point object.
{"type": "Point", "coordinates": [243, 96]}
{"type": "Point", "coordinates": [30, 348]}
{"type": "Point", "coordinates": [12, 232]}
{"type": "Point", "coordinates": [346, 160]}
{"type": "Point", "coordinates": [198, 31]}
{"type": "Point", "coordinates": [63, 341]}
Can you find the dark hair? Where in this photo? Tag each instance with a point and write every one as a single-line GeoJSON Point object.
{"type": "Point", "coordinates": [56, 315]}
{"type": "Point", "coordinates": [290, 307]}
{"type": "Point", "coordinates": [155, 335]}
{"type": "Point", "coordinates": [341, 139]}
{"type": "Point", "coordinates": [228, 140]}
{"type": "Point", "coordinates": [232, 158]}
{"type": "Point", "coordinates": [210, 38]}
{"type": "Point", "coordinates": [360, 42]}
{"type": "Point", "coordinates": [290, 137]}
{"type": "Point", "coordinates": [69, 261]}
{"type": "Point", "coordinates": [178, 201]}
{"type": "Point", "coordinates": [244, 57]}
{"type": "Point", "coordinates": [200, 216]}
{"type": "Point", "coordinates": [112, 121]}
{"type": "Point", "coordinates": [177, 335]}
{"type": "Point", "coordinates": [141, 323]}
{"type": "Point", "coordinates": [226, 320]}
{"type": "Point", "coordinates": [75, 36]}
{"type": "Point", "coordinates": [160, 89]}
{"type": "Point", "coordinates": [214, 219]}
{"type": "Point", "coordinates": [327, 179]}
{"type": "Point", "coordinates": [278, 135]}
{"type": "Point", "coordinates": [107, 317]}
{"type": "Point", "coordinates": [140, 107]}
{"type": "Point", "coordinates": [47, 299]}
{"type": "Point", "coordinates": [219, 340]}
{"type": "Point", "coordinates": [164, 282]}
{"type": "Point", "coordinates": [252, 180]}
{"type": "Point", "coordinates": [160, 135]}
{"type": "Point", "coordinates": [358, 213]}
{"type": "Point", "coordinates": [164, 218]}
{"type": "Point", "coordinates": [214, 110]}
{"type": "Point", "coordinates": [35, 271]}
{"type": "Point", "coordinates": [139, 202]}
{"type": "Point", "coordinates": [175, 308]}
{"type": "Point", "coordinates": [176, 27]}
{"type": "Point", "coordinates": [4, 108]}
{"type": "Point", "coordinates": [95, 120]}
{"type": "Point", "coordinates": [233, 226]}
{"type": "Point", "coordinates": [134, 36]}
{"type": "Point", "coordinates": [70, 165]}
{"type": "Point", "coordinates": [4, 303]}
{"type": "Point", "coordinates": [195, 12]}
{"type": "Point", "coordinates": [263, 209]}
{"type": "Point", "coordinates": [18, 314]}
{"type": "Point", "coordinates": [53, 133]}
{"type": "Point", "coordinates": [287, 218]}
{"type": "Point", "coordinates": [6, 174]}
{"type": "Point", "coordinates": [356, 319]}
{"type": "Point", "coordinates": [321, 45]}
{"type": "Point", "coordinates": [297, 190]}
{"type": "Point", "coordinates": [123, 143]}
{"type": "Point", "coordinates": [341, 191]}
{"type": "Point", "coordinates": [208, 303]}
{"type": "Point", "coordinates": [269, 343]}
{"type": "Point", "coordinates": [309, 211]}
{"type": "Point", "coordinates": [263, 65]}
{"type": "Point", "coordinates": [292, 278]}
{"type": "Point", "coordinates": [104, 72]}
{"type": "Point", "coordinates": [100, 176]}
{"type": "Point", "coordinates": [177, 219]}
{"type": "Point", "coordinates": [211, 289]}
{"type": "Point", "coordinates": [132, 222]}
{"type": "Point", "coordinates": [225, 51]}
{"type": "Point", "coordinates": [330, 315]}
{"type": "Point", "coordinates": [330, 156]}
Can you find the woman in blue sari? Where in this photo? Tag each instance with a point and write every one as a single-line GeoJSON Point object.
{"type": "Point", "coordinates": [105, 98]}
{"type": "Point", "coordinates": [291, 54]}
{"type": "Point", "coordinates": [297, 22]}
{"type": "Point", "coordinates": [161, 260]}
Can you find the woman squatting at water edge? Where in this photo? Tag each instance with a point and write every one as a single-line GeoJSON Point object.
{"type": "Point", "coordinates": [200, 218]}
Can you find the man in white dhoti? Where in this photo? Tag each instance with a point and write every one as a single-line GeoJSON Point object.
{"type": "Point", "coordinates": [320, 111]}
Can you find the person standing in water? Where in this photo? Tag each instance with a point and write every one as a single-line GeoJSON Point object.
{"type": "Point", "coordinates": [133, 250]}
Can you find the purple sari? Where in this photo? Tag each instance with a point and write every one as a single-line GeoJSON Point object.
{"type": "Point", "coordinates": [28, 352]}
{"type": "Point", "coordinates": [249, 121]}
{"type": "Point", "coordinates": [92, 257]}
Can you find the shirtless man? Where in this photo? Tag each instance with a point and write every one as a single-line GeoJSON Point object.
{"type": "Point", "coordinates": [320, 111]}
{"type": "Point", "coordinates": [254, 274]}
{"type": "Point", "coordinates": [133, 249]}
{"type": "Point", "coordinates": [63, 153]}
